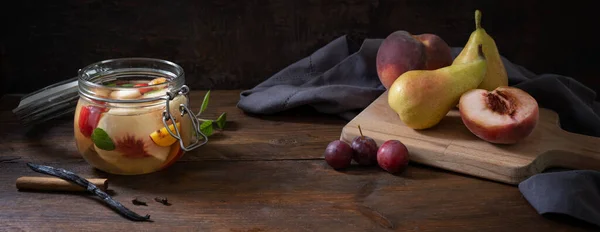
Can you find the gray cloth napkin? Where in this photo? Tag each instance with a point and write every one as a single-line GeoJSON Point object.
{"type": "Point", "coordinates": [335, 79]}
{"type": "Point", "coordinates": [575, 193]}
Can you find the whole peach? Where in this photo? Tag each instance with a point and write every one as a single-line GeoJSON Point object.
{"type": "Point", "coordinates": [401, 52]}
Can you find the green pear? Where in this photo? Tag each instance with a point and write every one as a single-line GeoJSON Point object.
{"type": "Point", "coordinates": [496, 73]}
{"type": "Point", "coordinates": [421, 98]}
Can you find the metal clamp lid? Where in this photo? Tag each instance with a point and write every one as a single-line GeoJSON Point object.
{"type": "Point", "coordinates": [184, 90]}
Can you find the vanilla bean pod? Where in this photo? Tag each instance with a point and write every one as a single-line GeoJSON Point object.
{"type": "Point", "coordinates": [72, 177]}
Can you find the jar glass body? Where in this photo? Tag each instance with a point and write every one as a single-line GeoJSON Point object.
{"type": "Point", "coordinates": [118, 124]}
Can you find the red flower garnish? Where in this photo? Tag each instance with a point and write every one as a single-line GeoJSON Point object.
{"type": "Point", "coordinates": [131, 147]}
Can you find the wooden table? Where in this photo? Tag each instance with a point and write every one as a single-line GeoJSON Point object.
{"type": "Point", "coordinates": [263, 173]}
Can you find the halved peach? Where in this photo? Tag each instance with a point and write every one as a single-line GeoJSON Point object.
{"type": "Point", "coordinates": [503, 116]}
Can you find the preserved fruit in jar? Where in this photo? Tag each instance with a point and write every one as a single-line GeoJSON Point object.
{"type": "Point", "coordinates": [122, 124]}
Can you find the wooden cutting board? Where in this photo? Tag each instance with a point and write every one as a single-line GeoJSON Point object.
{"type": "Point", "coordinates": [451, 146]}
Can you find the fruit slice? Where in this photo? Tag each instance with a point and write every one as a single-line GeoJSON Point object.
{"type": "Point", "coordinates": [88, 119]}
{"type": "Point", "coordinates": [125, 94]}
{"type": "Point", "coordinates": [504, 115]}
{"type": "Point", "coordinates": [134, 152]}
{"type": "Point", "coordinates": [174, 155]}
{"type": "Point", "coordinates": [143, 90]}
{"type": "Point", "coordinates": [132, 147]}
{"type": "Point", "coordinates": [155, 93]}
{"type": "Point", "coordinates": [163, 138]}
{"type": "Point", "coordinates": [157, 81]}
{"type": "Point", "coordinates": [102, 92]}
{"type": "Point", "coordinates": [129, 128]}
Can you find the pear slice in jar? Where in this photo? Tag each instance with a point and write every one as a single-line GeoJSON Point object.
{"type": "Point", "coordinates": [102, 92]}
{"type": "Point", "coordinates": [125, 94]}
{"type": "Point", "coordinates": [186, 128]}
{"type": "Point", "coordinates": [129, 129]}
{"type": "Point", "coordinates": [133, 151]}
{"type": "Point", "coordinates": [155, 93]}
{"type": "Point", "coordinates": [162, 137]}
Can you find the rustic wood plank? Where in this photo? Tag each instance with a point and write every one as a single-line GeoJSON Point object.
{"type": "Point", "coordinates": [246, 137]}
{"type": "Point", "coordinates": [264, 173]}
{"type": "Point", "coordinates": [277, 196]}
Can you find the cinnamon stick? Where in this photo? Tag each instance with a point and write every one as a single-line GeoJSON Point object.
{"type": "Point", "coordinates": [56, 184]}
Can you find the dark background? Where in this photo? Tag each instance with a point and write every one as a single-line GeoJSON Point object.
{"type": "Point", "coordinates": [237, 44]}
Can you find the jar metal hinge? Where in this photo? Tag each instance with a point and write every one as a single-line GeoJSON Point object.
{"type": "Point", "coordinates": [183, 108]}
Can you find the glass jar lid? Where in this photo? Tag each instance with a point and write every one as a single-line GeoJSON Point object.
{"type": "Point", "coordinates": [48, 103]}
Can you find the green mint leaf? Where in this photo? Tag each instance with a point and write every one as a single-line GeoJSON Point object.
{"type": "Point", "coordinates": [102, 140]}
{"type": "Point", "coordinates": [222, 120]}
{"type": "Point", "coordinates": [111, 85]}
{"type": "Point", "coordinates": [206, 127]}
{"type": "Point", "coordinates": [205, 102]}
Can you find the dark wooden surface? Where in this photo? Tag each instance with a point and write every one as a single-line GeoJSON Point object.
{"type": "Point", "coordinates": [228, 44]}
{"type": "Point", "coordinates": [264, 173]}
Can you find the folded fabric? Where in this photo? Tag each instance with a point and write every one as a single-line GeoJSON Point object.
{"type": "Point", "coordinates": [575, 193]}
{"type": "Point", "coordinates": [337, 80]}
{"type": "Point", "coordinates": [332, 80]}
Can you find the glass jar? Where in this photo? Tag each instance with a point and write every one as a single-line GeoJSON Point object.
{"type": "Point", "coordinates": [133, 115]}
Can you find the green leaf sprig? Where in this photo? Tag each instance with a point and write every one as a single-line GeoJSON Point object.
{"type": "Point", "coordinates": [102, 140]}
{"type": "Point", "coordinates": [207, 126]}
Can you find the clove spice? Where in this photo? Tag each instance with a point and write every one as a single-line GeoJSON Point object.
{"type": "Point", "coordinates": [163, 201]}
{"type": "Point", "coordinates": [138, 202]}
